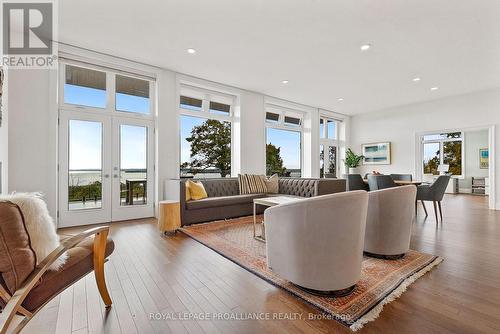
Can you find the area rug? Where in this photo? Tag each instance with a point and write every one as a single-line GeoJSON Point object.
{"type": "Point", "coordinates": [381, 281]}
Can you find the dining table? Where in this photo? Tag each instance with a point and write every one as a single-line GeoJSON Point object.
{"type": "Point", "coordinates": [402, 183]}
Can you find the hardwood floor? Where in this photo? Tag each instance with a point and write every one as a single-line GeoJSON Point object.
{"type": "Point", "coordinates": [148, 273]}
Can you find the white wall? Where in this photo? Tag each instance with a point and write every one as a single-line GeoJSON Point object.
{"type": "Point", "coordinates": [400, 126]}
{"type": "Point", "coordinates": [32, 133]}
{"type": "Point", "coordinates": [4, 138]}
{"type": "Point", "coordinates": [473, 141]}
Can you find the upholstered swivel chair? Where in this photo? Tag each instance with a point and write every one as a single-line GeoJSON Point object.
{"type": "Point", "coordinates": [377, 182]}
{"type": "Point", "coordinates": [389, 220]}
{"type": "Point", "coordinates": [26, 287]}
{"type": "Point", "coordinates": [317, 243]}
{"type": "Point", "coordinates": [401, 177]}
{"type": "Point", "coordinates": [355, 182]}
{"type": "Point", "coordinates": [435, 193]}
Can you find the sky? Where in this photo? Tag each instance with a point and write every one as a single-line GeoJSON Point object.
{"type": "Point", "coordinates": [85, 137]}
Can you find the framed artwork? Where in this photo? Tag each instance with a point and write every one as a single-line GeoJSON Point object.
{"type": "Point", "coordinates": [376, 153]}
{"type": "Point", "coordinates": [484, 158]}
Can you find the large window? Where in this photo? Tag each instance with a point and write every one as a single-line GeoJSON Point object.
{"type": "Point", "coordinates": [442, 149]}
{"type": "Point", "coordinates": [328, 134]}
{"type": "Point", "coordinates": [283, 142]}
{"type": "Point", "coordinates": [205, 130]}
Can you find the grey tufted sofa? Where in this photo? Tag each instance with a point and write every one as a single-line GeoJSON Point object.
{"type": "Point", "coordinates": [224, 199]}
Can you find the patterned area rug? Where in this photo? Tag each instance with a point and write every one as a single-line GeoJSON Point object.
{"type": "Point", "coordinates": [381, 281]}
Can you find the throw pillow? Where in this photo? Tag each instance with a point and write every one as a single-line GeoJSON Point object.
{"type": "Point", "coordinates": [252, 184]}
{"type": "Point", "coordinates": [39, 224]}
{"type": "Point", "coordinates": [197, 190]}
{"type": "Point", "coordinates": [188, 192]}
{"type": "Point", "coordinates": [272, 184]}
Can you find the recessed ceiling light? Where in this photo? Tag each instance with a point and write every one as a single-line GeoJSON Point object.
{"type": "Point", "coordinates": [417, 79]}
{"type": "Point", "coordinates": [285, 82]}
{"type": "Point", "coordinates": [434, 88]}
{"type": "Point", "coordinates": [340, 99]}
{"type": "Point", "coordinates": [191, 51]}
{"type": "Point", "coordinates": [365, 47]}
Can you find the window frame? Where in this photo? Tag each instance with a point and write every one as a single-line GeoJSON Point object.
{"type": "Point", "coordinates": [441, 150]}
{"type": "Point", "coordinates": [110, 108]}
{"type": "Point", "coordinates": [281, 125]}
{"type": "Point", "coordinates": [206, 95]}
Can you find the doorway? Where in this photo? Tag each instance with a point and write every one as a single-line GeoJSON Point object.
{"type": "Point", "coordinates": [106, 146]}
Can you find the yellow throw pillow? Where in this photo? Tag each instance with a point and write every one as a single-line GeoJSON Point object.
{"type": "Point", "coordinates": [197, 190]}
{"type": "Point", "coordinates": [188, 192]}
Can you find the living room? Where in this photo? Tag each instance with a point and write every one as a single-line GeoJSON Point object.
{"type": "Point", "coordinates": [187, 137]}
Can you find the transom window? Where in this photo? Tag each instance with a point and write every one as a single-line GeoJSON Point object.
{"type": "Point", "coordinates": [90, 88]}
{"type": "Point", "coordinates": [444, 149]}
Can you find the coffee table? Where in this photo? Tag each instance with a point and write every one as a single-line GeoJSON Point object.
{"type": "Point", "coordinates": [269, 202]}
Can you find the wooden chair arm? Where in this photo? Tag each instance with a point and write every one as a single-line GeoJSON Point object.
{"type": "Point", "coordinates": [20, 294]}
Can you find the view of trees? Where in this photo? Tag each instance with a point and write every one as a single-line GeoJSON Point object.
{"type": "Point", "coordinates": [274, 162]}
{"type": "Point", "coordinates": [210, 147]}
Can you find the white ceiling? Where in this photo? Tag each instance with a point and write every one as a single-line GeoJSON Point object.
{"type": "Point", "coordinates": [453, 44]}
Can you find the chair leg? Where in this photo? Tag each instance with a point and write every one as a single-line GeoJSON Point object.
{"type": "Point", "coordinates": [440, 211]}
{"type": "Point", "coordinates": [435, 211]}
{"type": "Point", "coordinates": [99, 252]}
{"type": "Point", "coordinates": [425, 209]}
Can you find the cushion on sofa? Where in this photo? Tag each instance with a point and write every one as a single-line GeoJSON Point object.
{"type": "Point", "coordinates": [252, 184]}
{"type": "Point", "coordinates": [196, 190]}
{"type": "Point", "coordinates": [211, 202]}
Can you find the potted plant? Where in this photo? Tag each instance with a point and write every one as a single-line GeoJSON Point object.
{"type": "Point", "coordinates": [352, 160]}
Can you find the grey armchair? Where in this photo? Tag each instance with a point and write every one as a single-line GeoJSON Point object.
{"type": "Point", "coordinates": [317, 243]}
{"type": "Point", "coordinates": [401, 177]}
{"type": "Point", "coordinates": [377, 182]}
{"type": "Point", "coordinates": [389, 221]}
{"type": "Point", "coordinates": [355, 182]}
{"type": "Point", "coordinates": [435, 193]}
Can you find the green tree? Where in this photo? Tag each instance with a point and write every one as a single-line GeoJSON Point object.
{"type": "Point", "coordinates": [274, 162]}
{"type": "Point", "coordinates": [210, 147]}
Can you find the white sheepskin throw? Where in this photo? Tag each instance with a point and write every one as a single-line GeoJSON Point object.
{"type": "Point", "coordinates": [39, 224]}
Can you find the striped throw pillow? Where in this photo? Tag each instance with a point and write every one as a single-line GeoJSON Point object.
{"type": "Point", "coordinates": [252, 184]}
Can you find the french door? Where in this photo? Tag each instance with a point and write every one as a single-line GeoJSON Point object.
{"type": "Point", "coordinates": [106, 168]}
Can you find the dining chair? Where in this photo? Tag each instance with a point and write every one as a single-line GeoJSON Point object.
{"type": "Point", "coordinates": [401, 177]}
{"type": "Point", "coordinates": [377, 182]}
{"type": "Point", "coordinates": [435, 193]}
{"type": "Point", "coordinates": [355, 182]}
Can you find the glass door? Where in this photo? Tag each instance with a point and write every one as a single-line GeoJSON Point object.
{"type": "Point", "coordinates": [133, 169]}
{"type": "Point", "coordinates": [84, 172]}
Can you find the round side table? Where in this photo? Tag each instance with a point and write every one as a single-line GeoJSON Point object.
{"type": "Point", "coordinates": [170, 217]}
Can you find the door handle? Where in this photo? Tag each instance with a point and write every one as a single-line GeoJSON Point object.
{"type": "Point", "coordinates": [106, 176]}
{"type": "Point", "coordinates": [115, 176]}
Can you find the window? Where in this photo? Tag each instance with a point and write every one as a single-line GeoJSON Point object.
{"type": "Point", "coordinates": [205, 147]}
{"type": "Point", "coordinates": [110, 91]}
{"type": "Point", "coordinates": [205, 129]}
{"type": "Point", "coordinates": [283, 141]}
{"type": "Point", "coordinates": [283, 156]}
{"type": "Point", "coordinates": [191, 103]}
{"type": "Point", "coordinates": [442, 149]}
{"type": "Point", "coordinates": [85, 87]}
{"type": "Point", "coordinates": [328, 146]}
{"type": "Point", "coordinates": [132, 95]}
